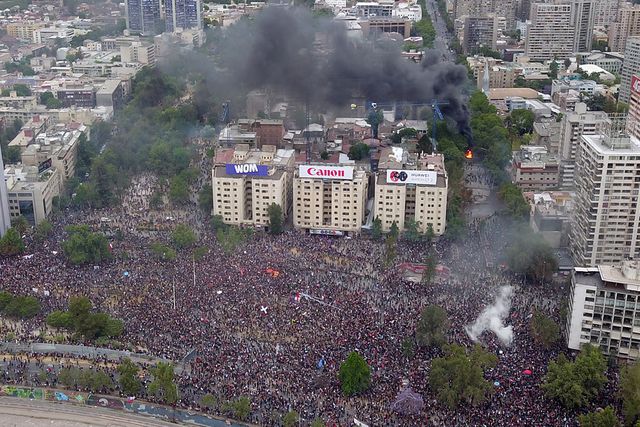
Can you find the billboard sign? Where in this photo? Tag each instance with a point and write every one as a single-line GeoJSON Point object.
{"type": "Point", "coordinates": [635, 84]}
{"type": "Point", "coordinates": [395, 176]}
{"type": "Point", "coordinates": [44, 166]}
{"type": "Point", "coordinates": [325, 172]}
{"type": "Point", "coordinates": [246, 169]}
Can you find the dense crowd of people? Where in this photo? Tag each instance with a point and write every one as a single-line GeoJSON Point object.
{"type": "Point", "coordinates": [261, 335]}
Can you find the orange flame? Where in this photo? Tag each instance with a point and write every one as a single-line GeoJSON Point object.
{"type": "Point", "coordinates": [468, 154]}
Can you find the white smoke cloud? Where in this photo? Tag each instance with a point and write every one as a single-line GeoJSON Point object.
{"type": "Point", "coordinates": [492, 319]}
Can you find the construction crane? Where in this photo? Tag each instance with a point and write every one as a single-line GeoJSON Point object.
{"type": "Point", "coordinates": [224, 115]}
{"type": "Point", "coordinates": [437, 115]}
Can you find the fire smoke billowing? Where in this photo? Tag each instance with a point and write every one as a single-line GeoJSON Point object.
{"type": "Point", "coordinates": [279, 50]}
{"type": "Point", "coordinates": [492, 319]}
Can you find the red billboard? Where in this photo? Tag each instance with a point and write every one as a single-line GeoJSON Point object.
{"type": "Point", "coordinates": [635, 84]}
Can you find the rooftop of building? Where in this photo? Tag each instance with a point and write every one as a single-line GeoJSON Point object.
{"type": "Point", "coordinates": [613, 145]}
{"type": "Point", "coordinates": [551, 203]}
{"type": "Point", "coordinates": [533, 156]}
{"type": "Point", "coordinates": [626, 275]}
{"type": "Point", "coordinates": [26, 178]}
{"type": "Point", "coordinates": [504, 93]}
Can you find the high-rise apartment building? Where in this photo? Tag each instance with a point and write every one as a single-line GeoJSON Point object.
{"type": "Point", "coordinates": [633, 119]}
{"type": "Point", "coordinates": [575, 124]}
{"type": "Point", "coordinates": [630, 66]}
{"type": "Point", "coordinates": [625, 25]}
{"type": "Point", "coordinates": [582, 19]}
{"type": "Point", "coordinates": [604, 226]}
{"type": "Point", "coordinates": [183, 14]}
{"type": "Point", "coordinates": [606, 12]}
{"type": "Point", "coordinates": [604, 309]}
{"type": "Point", "coordinates": [411, 189]}
{"type": "Point", "coordinates": [479, 32]}
{"type": "Point", "coordinates": [551, 33]}
{"type": "Point", "coordinates": [481, 8]}
{"type": "Point", "coordinates": [329, 199]}
{"type": "Point", "coordinates": [143, 16]}
{"type": "Point", "coordinates": [5, 218]}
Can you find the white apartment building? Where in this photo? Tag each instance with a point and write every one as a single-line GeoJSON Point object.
{"type": "Point", "coordinates": [573, 126]}
{"type": "Point", "coordinates": [245, 182]}
{"type": "Point", "coordinates": [606, 220]}
{"type": "Point", "coordinates": [412, 12]}
{"type": "Point", "coordinates": [551, 33]}
{"type": "Point", "coordinates": [630, 66]}
{"type": "Point", "coordinates": [604, 309]}
{"type": "Point", "coordinates": [31, 191]}
{"type": "Point", "coordinates": [408, 188]}
{"type": "Point", "coordinates": [626, 24]}
{"type": "Point", "coordinates": [329, 199]}
{"type": "Point", "coordinates": [5, 218]}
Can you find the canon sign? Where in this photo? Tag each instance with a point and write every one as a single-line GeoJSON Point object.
{"type": "Point", "coordinates": [325, 172]}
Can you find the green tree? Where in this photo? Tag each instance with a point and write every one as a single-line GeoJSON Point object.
{"type": "Point", "coordinates": [411, 232]}
{"type": "Point", "coordinates": [514, 201]}
{"type": "Point", "coordinates": [79, 308]}
{"type": "Point", "coordinates": [408, 348]}
{"type": "Point", "coordinates": [128, 378]}
{"type": "Point", "coordinates": [11, 243]}
{"type": "Point", "coordinates": [183, 236]}
{"type": "Point", "coordinates": [376, 228]}
{"type": "Point", "coordinates": [163, 252]}
{"type": "Point", "coordinates": [574, 384]}
{"type": "Point", "coordinates": [394, 231]}
{"type": "Point", "coordinates": [459, 377]}
{"type": "Point", "coordinates": [290, 419]}
{"type": "Point", "coordinates": [358, 151]}
{"type": "Point", "coordinates": [85, 247]}
{"type": "Point", "coordinates": [208, 401]}
{"type": "Point", "coordinates": [179, 190]}
{"type": "Point", "coordinates": [544, 330]}
{"type": "Point", "coordinates": [630, 392]}
{"type": "Point", "coordinates": [50, 101]}
{"type": "Point", "coordinates": [553, 69]}
{"type": "Point", "coordinates": [390, 249]}
{"type": "Point", "coordinates": [5, 299]}
{"type": "Point", "coordinates": [275, 219]}
{"type": "Point", "coordinates": [354, 375]}
{"type": "Point", "coordinates": [318, 422]}
{"type": "Point", "coordinates": [601, 418]}
{"type": "Point", "coordinates": [205, 199]}
{"type": "Point", "coordinates": [430, 264]}
{"type": "Point", "coordinates": [100, 382]}
{"type": "Point", "coordinates": [520, 121]}
{"type": "Point", "coordinates": [432, 326]}
{"type": "Point", "coordinates": [22, 307]}
{"type": "Point", "coordinates": [68, 377]}
{"type": "Point", "coordinates": [163, 386]}
{"type": "Point", "coordinates": [60, 319]}
{"type": "Point", "coordinates": [43, 230]}
{"type": "Point", "coordinates": [240, 408]}
{"type": "Point", "coordinates": [20, 223]}
{"type": "Point", "coordinates": [13, 155]}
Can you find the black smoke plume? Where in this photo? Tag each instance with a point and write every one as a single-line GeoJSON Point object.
{"type": "Point", "coordinates": [316, 61]}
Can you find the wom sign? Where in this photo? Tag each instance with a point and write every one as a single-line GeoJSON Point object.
{"type": "Point", "coordinates": [246, 169]}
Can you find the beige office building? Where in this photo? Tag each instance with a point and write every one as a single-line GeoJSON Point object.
{"type": "Point", "coordinates": [23, 30]}
{"type": "Point", "coordinates": [329, 199]}
{"type": "Point", "coordinates": [245, 182]}
{"type": "Point", "coordinates": [408, 188]}
{"type": "Point", "coordinates": [626, 24]}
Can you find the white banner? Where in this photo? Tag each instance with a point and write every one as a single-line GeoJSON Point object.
{"type": "Point", "coordinates": [411, 177]}
{"type": "Point", "coordinates": [325, 172]}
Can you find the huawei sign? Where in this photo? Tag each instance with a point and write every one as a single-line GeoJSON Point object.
{"type": "Point", "coordinates": [635, 84]}
{"type": "Point", "coordinates": [325, 172]}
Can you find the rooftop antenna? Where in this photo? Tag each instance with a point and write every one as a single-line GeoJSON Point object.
{"type": "Point", "coordinates": [306, 131]}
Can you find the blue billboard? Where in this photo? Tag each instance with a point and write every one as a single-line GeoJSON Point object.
{"type": "Point", "coordinates": [247, 169]}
